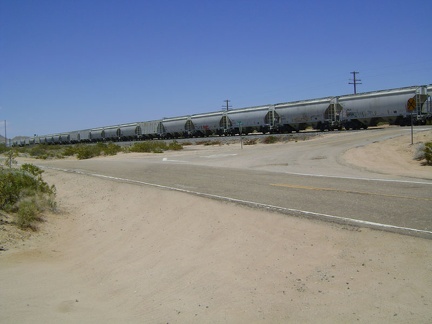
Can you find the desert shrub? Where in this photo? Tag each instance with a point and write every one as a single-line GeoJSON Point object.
{"type": "Point", "coordinates": [27, 215]}
{"type": "Point", "coordinates": [69, 150]}
{"type": "Point", "coordinates": [37, 151]}
{"type": "Point", "coordinates": [9, 193]}
{"type": "Point", "coordinates": [270, 139]}
{"type": "Point", "coordinates": [419, 153]}
{"type": "Point", "coordinates": [424, 152]}
{"type": "Point", "coordinates": [149, 147]}
{"type": "Point", "coordinates": [44, 151]}
{"type": "Point", "coordinates": [209, 142]}
{"type": "Point", "coordinates": [428, 153]}
{"type": "Point", "coordinates": [110, 148]}
{"type": "Point", "coordinates": [175, 146]}
{"type": "Point", "coordinates": [155, 147]}
{"type": "Point", "coordinates": [3, 148]}
{"type": "Point", "coordinates": [87, 151]}
{"type": "Point", "coordinates": [33, 170]}
{"type": "Point", "coordinates": [25, 193]}
{"type": "Point", "coordinates": [10, 157]}
{"type": "Point", "coordinates": [251, 141]}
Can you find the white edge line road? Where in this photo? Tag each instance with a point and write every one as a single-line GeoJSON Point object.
{"type": "Point", "coordinates": [336, 219]}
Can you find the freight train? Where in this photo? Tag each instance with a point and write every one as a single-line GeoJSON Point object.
{"type": "Point", "coordinates": [401, 106]}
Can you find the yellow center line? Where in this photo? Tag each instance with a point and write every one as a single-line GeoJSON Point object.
{"type": "Point", "coordinates": [345, 191]}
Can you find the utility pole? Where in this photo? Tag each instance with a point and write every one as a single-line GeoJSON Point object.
{"type": "Point", "coordinates": [355, 81]}
{"type": "Point", "coordinates": [227, 106]}
{"type": "Point", "coordinates": [5, 134]}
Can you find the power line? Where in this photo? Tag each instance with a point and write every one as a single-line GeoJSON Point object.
{"type": "Point", "coordinates": [355, 81]}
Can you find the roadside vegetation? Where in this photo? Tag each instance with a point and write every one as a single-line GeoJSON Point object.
{"type": "Point", "coordinates": [424, 152]}
{"type": "Point", "coordinates": [270, 139]}
{"type": "Point", "coordinates": [428, 153]}
{"type": "Point", "coordinates": [88, 151]}
{"type": "Point", "coordinates": [83, 151]}
{"type": "Point", "coordinates": [154, 147]}
{"type": "Point", "coordinates": [24, 195]}
{"type": "Point", "coordinates": [209, 143]}
{"type": "Point", "coordinates": [251, 141]}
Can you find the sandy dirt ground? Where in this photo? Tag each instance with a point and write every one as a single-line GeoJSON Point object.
{"type": "Point", "coordinates": [394, 156]}
{"type": "Point", "coordinates": [118, 252]}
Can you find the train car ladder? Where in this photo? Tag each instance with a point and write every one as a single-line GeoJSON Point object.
{"type": "Point", "coordinates": [272, 118]}
{"type": "Point", "coordinates": [332, 115]}
{"type": "Point", "coordinates": [189, 126]}
{"type": "Point", "coordinates": [225, 123]}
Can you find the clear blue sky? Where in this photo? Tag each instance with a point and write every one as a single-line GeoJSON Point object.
{"type": "Point", "coordinates": [68, 65]}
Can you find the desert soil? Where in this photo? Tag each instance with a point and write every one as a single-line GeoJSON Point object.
{"type": "Point", "coordinates": [118, 252]}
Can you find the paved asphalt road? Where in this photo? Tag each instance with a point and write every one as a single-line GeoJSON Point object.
{"type": "Point", "coordinates": [304, 178]}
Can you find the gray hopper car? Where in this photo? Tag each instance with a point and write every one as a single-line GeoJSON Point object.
{"type": "Point", "coordinates": [395, 106]}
